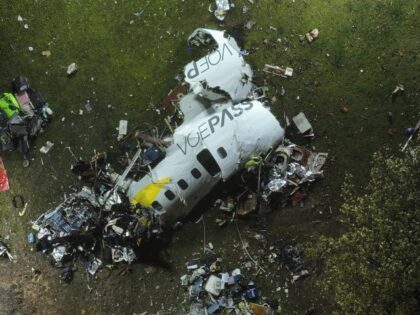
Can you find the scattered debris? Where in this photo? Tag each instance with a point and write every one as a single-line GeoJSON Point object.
{"type": "Point", "coordinates": [88, 106]}
{"type": "Point", "coordinates": [46, 53]}
{"type": "Point", "coordinates": [249, 25]}
{"type": "Point", "coordinates": [292, 166]}
{"type": "Point", "coordinates": [399, 89]}
{"type": "Point", "coordinates": [302, 123]}
{"type": "Point", "coordinates": [215, 134]}
{"type": "Point", "coordinates": [312, 35]}
{"type": "Point", "coordinates": [222, 6]}
{"type": "Point", "coordinates": [47, 147]}
{"type": "Point", "coordinates": [122, 129]}
{"type": "Point", "coordinates": [71, 69]}
{"type": "Point", "coordinates": [4, 251]}
{"type": "Point", "coordinates": [95, 220]}
{"type": "Point", "coordinates": [22, 116]}
{"type": "Point", "coordinates": [213, 289]}
{"type": "Point", "coordinates": [278, 71]}
{"type": "Point", "coordinates": [22, 213]}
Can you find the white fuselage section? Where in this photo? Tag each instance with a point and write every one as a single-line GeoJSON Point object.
{"type": "Point", "coordinates": [212, 145]}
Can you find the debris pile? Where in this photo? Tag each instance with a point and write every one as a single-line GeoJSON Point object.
{"type": "Point", "coordinates": [292, 167]}
{"type": "Point", "coordinates": [282, 178]}
{"type": "Point", "coordinates": [23, 114]}
{"type": "Point", "coordinates": [213, 289]}
{"type": "Point", "coordinates": [96, 222]}
{"type": "Point", "coordinates": [219, 138]}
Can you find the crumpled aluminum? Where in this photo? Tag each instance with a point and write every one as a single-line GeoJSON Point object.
{"type": "Point", "coordinates": [123, 254]}
{"type": "Point", "coordinates": [58, 253]}
{"type": "Point", "coordinates": [277, 184]}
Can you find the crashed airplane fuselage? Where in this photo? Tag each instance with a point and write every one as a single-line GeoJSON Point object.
{"type": "Point", "coordinates": [206, 150]}
{"type": "Point", "coordinates": [223, 127]}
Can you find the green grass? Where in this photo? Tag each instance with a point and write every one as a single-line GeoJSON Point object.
{"type": "Point", "coordinates": [130, 62]}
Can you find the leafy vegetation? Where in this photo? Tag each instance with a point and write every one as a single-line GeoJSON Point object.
{"type": "Point", "coordinates": [373, 267]}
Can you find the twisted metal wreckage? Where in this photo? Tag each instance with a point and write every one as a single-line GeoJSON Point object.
{"type": "Point", "coordinates": [224, 129]}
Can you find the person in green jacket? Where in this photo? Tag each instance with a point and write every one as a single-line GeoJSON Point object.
{"type": "Point", "coordinates": [9, 104]}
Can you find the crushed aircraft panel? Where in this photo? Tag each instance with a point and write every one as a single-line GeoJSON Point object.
{"type": "Point", "coordinates": [223, 71]}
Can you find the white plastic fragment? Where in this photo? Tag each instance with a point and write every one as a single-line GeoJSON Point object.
{"type": "Point", "coordinates": [20, 18]}
{"type": "Point", "coordinates": [214, 285]}
{"type": "Point", "coordinates": [45, 148]}
{"type": "Point", "coordinates": [288, 72]}
{"type": "Point", "coordinates": [302, 123]}
{"type": "Point", "coordinates": [71, 68]}
{"type": "Point", "coordinates": [122, 128]}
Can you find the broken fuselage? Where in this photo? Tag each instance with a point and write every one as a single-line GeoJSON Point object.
{"type": "Point", "coordinates": [223, 128]}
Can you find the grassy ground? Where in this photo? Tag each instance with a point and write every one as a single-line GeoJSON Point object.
{"type": "Point", "coordinates": [129, 52]}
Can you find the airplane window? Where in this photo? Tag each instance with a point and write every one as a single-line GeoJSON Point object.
{"type": "Point", "coordinates": [183, 184]}
{"type": "Point", "coordinates": [195, 173]}
{"type": "Point", "coordinates": [222, 152]}
{"type": "Point", "coordinates": [156, 205]}
{"type": "Point", "coordinates": [170, 195]}
{"type": "Point", "coordinates": [208, 162]}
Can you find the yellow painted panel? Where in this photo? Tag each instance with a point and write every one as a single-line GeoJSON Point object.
{"type": "Point", "coordinates": [148, 194]}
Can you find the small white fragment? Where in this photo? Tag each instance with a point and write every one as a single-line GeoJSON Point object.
{"type": "Point", "coordinates": [71, 68]}
{"type": "Point", "coordinates": [122, 128]}
{"type": "Point", "coordinates": [45, 148]}
{"type": "Point", "coordinates": [30, 48]}
{"type": "Point", "coordinates": [302, 123]}
{"type": "Point", "coordinates": [20, 18]}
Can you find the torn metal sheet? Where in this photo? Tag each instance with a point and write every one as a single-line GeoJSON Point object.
{"type": "Point", "coordinates": [222, 72]}
{"type": "Point", "coordinates": [291, 167]}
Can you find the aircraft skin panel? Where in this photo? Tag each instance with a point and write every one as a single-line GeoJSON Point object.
{"type": "Point", "coordinates": [242, 130]}
{"type": "Point", "coordinates": [223, 68]}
